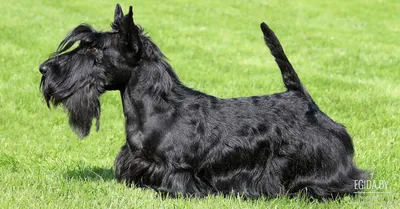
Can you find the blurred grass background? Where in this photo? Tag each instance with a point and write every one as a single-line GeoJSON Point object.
{"type": "Point", "coordinates": [345, 52]}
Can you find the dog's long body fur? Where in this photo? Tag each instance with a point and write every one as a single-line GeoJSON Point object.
{"type": "Point", "coordinates": [183, 141]}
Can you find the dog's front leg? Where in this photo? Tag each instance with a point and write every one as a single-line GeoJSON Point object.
{"type": "Point", "coordinates": [123, 163]}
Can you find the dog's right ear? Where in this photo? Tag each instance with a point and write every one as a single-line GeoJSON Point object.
{"type": "Point", "coordinates": [118, 14]}
{"type": "Point", "coordinates": [125, 25]}
{"type": "Point", "coordinates": [131, 31]}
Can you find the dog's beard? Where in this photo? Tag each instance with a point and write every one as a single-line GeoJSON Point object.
{"type": "Point", "coordinates": [82, 105]}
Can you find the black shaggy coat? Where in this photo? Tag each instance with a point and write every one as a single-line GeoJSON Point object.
{"type": "Point", "coordinates": [182, 141]}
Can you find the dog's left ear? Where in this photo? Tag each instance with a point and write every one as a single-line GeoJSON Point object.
{"type": "Point", "coordinates": [118, 14]}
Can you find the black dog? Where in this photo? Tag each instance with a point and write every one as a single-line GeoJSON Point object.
{"type": "Point", "coordinates": [181, 141]}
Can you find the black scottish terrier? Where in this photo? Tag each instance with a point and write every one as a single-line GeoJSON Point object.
{"type": "Point", "coordinates": [182, 141]}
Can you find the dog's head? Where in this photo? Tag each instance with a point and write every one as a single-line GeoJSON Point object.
{"type": "Point", "coordinates": [76, 77]}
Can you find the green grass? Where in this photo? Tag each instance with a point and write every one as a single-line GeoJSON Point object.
{"type": "Point", "coordinates": [345, 52]}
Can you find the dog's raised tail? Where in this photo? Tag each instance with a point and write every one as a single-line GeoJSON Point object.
{"type": "Point", "coordinates": [289, 75]}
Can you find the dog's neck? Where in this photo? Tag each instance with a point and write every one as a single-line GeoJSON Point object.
{"type": "Point", "coordinates": [152, 97]}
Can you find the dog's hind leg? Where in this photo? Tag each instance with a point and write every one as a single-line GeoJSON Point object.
{"type": "Point", "coordinates": [345, 181]}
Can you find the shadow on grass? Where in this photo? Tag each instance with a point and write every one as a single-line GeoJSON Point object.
{"type": "Point", "coordinates": [90, 174]}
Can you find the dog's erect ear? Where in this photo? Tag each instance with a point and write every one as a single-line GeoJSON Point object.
{"type": "Point", "coordinates": [118, 14]}
{"type": "Point", "coordinates": [131, 32]}
{"type": "Point", "coordinates": [126, 26]}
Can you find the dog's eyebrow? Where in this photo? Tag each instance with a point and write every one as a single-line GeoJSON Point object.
{"type": "Point", "coordinates": [82, 32]}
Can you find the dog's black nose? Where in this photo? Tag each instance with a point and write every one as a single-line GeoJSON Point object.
{"type": "Point", "coordinates": [43, 69]}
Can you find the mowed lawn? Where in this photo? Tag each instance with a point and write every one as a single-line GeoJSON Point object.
{"type": "Point", "coordinates": [345, 52]}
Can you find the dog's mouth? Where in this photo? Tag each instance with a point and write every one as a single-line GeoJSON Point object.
{"type": "Point", "coordinates": [48, 93]}
{"type": "Point", "coordinates": [47, 96]}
